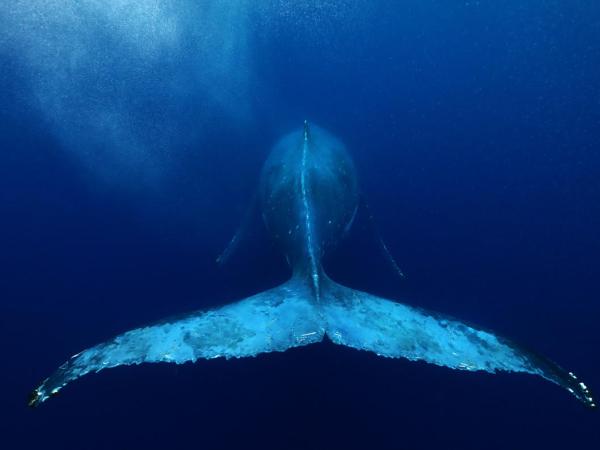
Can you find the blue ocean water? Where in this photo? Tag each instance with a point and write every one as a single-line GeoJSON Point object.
{"type": "Point", "coordinates": [132, 137]}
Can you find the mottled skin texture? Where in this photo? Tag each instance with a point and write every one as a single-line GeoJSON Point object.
{"type": "Point", "coordinates": [309, 197]}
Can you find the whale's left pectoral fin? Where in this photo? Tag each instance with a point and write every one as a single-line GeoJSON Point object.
{"type": "Point", "coordinates": [366, 322]}
{"type": "Point", "coordinates": [274, 320]}
{"type": "Point", "coordinates": [241, 232]}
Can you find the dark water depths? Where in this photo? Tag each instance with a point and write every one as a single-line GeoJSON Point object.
{"type": "Point", "coordinates": [132, 135]}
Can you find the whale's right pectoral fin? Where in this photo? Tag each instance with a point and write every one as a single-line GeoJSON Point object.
{"type": "Point", "coordinates": [366, 322]}
{"type": "Point", "coordinates": [383, 248]}
{"type": "Point", "coordinates": [274, 320]}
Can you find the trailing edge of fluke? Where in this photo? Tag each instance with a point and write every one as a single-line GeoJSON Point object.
{"type": "Point", "coordinates": [308, 198]}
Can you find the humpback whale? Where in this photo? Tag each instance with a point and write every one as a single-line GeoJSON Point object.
{"type": "Point", "coordinates": [308, 196]}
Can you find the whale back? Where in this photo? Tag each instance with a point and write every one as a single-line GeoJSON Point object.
{"type": "Point", "coordinates": [308, 193]}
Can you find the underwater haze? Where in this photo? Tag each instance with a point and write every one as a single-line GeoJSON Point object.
{"type": "Point", "coordinates": [132, 136]}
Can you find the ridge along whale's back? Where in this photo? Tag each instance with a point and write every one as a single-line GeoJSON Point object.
{"type": "Point", "coordinates": [308, 194]}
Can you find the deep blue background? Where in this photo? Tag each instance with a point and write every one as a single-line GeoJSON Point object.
{"type": "Point", "coordinates": [476, 132]}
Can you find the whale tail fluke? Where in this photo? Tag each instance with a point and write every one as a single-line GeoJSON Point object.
{"type": "Point", "coordinates": [273, 320]}
{"type": "Point", "coordinates": [366, 322]}
{"type": "Point", "coordinates": [289, 316]}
